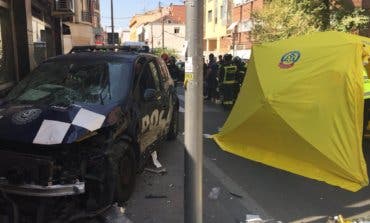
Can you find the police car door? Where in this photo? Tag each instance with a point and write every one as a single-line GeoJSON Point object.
{"type": "Point", "coordinates": [150, 104]}
{"type": "Point", "coordinates": [164, 101]}
{"type": "Point", "coordinates": [168, 94]}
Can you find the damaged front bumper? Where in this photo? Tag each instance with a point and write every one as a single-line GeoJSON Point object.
{"type": "Point", "coordinates": [43, 191]}
{"type": "Point", "coordinates": [37, 176]}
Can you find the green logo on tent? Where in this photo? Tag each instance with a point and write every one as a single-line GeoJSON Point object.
{"type": "Point", "coordinates": [289, 59]}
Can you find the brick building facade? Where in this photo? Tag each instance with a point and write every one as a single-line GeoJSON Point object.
{"type": "Point", "coordinates": [138, 21]}
{"type": "Point", "coordinates": [240, 30]}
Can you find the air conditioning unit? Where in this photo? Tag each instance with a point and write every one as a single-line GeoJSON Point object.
{"type": "Point", "coordinates": [64, 6]}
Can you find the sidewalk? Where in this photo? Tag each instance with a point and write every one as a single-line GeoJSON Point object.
{"type": "Point", "coordinates": [145, 206]}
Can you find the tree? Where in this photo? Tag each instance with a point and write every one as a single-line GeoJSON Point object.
{"type": "Point", "coordinates": [168, 51]}
{"type": "Point", "coordinates": [318, 10]}
{"type": "Point", "coordinates": [334, 15]}
{"type": "Point", "coordinates": [281, 19]}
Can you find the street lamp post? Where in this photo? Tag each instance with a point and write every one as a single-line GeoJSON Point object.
{"type": "Point", "coordinates": [112, 20]}
{"type": "Point", "coordinates": [194, 113]}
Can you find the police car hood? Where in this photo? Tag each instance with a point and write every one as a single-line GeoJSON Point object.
{"type": "Point", "coordinates": [52, 125]}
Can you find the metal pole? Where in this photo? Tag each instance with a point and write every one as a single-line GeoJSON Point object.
{"type": "Point", "coordinates": [61, 35]}
{"type": "Point", "coordinates": [112, 20]}
{"type": "Point", "coordinates": [160, 6]}
{"type": "Point", "coordinates": [151, 30]}
{"type": "Point", "coordinates": [194, 113]}
{"type": "Point", "coordinates": [233, 34]}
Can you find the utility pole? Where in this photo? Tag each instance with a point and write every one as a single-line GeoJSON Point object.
{"type": "Point", "coordinates": [161, 8]}
{"type": "Point", "coordinates": [112, 20]}
{"type": "Point", "coordinates": [151, 30]}
{"type": "Point", "coordinates": [194, 113]}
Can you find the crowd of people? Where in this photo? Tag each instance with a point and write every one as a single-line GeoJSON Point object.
{"type": "Point", "coordinates": [174, 67]}
{"type": "Point", "coordinates": [223, 78]}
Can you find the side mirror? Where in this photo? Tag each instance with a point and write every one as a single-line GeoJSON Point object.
{"type": "Point", "coordinates": [150, 94]}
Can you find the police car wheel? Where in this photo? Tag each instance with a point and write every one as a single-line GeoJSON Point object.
{"type": "Point", "coordinates": [174, 126]}
{"type": "Point", "coordinates": [126, 176]}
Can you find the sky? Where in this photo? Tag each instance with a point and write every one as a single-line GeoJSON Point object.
{"type": "Point", "coordinates": [124, 9]}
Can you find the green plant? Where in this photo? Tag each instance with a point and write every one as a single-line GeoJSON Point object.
{"type": "Point", "coordinates": [168, 51]}
{"type": "Point", "coordinates": [281, 19]}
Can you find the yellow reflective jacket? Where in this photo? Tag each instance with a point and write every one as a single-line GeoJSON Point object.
{"type": "Point", "coordinates": [366, 85]}
{"type": "Point", "coordinates": [230, 74]}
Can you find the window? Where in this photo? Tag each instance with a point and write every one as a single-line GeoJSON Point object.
{"type": "Point", "coordinates": [223, 10]}
{"type": "Point", "coordinates": [216, 11]}
{"type": "Point", "coordinates": [164, 70]}
{"type": "Point", "coordinates": [154, 71]}
{"type": "Point", "coordinates": [176, 30]}
{"type": "Point", "coordinates": [64, 83]}
{"type": "Point", "coordinates": [210, 16]}
{"type": "Point", "coordinates": [149, 78]}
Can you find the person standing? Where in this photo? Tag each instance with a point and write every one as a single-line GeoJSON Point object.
{"type": "Point", "coordinates": [205, 86]}
{"type": "Point", "coordinates": [220, 60]}
{"type": "Point", "coordinates": [228, 83]}
{"type": "Point", "coordinates": [211, 78]}
{"type": "Point", "coordinates": [173, 69]}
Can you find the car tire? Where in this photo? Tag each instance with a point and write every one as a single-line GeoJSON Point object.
{"type": "Point", "coordinates": [126, 174]}
{"type": "Point", "coordinates": [174, 126]}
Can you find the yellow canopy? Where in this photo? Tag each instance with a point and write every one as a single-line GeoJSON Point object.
{"type": "Point", "coordinates": [301, 108]}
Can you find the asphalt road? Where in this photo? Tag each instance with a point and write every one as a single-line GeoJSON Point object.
{"type": "Point", "coordinates": [246, 187]}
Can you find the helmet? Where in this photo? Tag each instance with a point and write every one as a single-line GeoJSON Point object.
{"type": "Point", "coordinates": [165, 57]}
{"type": "Point", "coordinates": [228, 57]}
{"type": "Point", "coordinates": [237, 60]}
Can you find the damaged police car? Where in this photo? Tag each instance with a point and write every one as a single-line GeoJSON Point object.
{"type": "Point", "coordinates": [83, 124]}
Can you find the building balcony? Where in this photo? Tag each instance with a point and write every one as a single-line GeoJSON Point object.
{"type": "Point", "coordinates": [86, 16]}
{"type": "Point", "coordinates": [63, 8]}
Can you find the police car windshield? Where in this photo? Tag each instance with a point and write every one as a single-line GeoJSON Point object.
{"type": "Point", "coordinates": [66, 82]}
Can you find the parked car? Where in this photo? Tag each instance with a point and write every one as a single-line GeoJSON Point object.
{"type": "Point", "coordinates": [83, 124]}
{"type": "Point", "coordinates": [137, 46]}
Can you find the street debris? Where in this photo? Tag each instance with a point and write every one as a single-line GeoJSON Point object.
{"type": "Point", "coordinates": [341, 219]}
{"type": "Point", "coordinates": [114, 215]}
{"type": "Point", "coordinates": [251, 218]}
{"type": "Point", "coordinates": [161, 171]}
{"type": "Point", "coordinates": [235, 195]}
{"type": "Point", "coordinates": [207, 136]}
{"type": "Point", "coordinates": [171, 186]}
{"type": "Point", "coordinates": [151, 196]}
{"type": "Point", "coordinates": [155, 160]}
{"type": "Point", "coordinates": [214, 193]}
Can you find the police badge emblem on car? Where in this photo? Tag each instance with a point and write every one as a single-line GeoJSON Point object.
{"type": "Point", "coordinates": [27, 116]}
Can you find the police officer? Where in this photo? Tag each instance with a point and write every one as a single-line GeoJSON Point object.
{"type": "Point", "coordinates": [228, 82]}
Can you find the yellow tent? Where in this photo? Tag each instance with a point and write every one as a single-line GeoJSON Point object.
{"type": "Point", "coordinates": [301, 108]}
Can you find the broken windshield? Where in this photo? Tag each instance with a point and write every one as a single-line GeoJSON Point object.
{"type": "Point", "coordinates": [64, 83]}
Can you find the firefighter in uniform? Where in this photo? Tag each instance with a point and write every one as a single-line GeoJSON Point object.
{"type": "Point", "coordinates": [242, 70]}
{"type": "Point", "coordinates": [228, 82]}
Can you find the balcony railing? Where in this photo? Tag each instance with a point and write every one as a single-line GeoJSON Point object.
{"type": "Point", "coordinates": [98, 31]}
{"type": "Point", "coordinates": [86, 16]}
